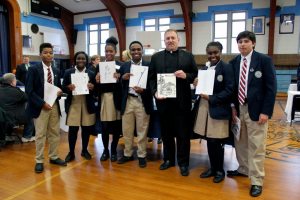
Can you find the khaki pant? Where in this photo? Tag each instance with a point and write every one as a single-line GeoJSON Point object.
{"type": "Point", "coordinates": [47, 127]}
{"type": "Point", "coordinates": [251, 148]}
{"type": "Point", "coordinates": [135, 115]}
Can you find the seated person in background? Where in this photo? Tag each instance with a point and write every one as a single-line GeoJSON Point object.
{"type": "Point", "coordinates": [12, 101]}
{"type": "Point", "coordinates": [298, 77]}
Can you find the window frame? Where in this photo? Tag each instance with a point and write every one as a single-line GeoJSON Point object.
{"type": "Point", "coordinates": [99, 31]}
{"type": "Point", "coordinates": [229, 35]}
{"type": "Point", "coordinates": [157, 26]}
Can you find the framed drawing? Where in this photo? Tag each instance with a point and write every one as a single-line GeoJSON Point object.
{"type": "Point", "coordinates": [286, 25]}
{"type": "Point", "coordinates": [258, 25]}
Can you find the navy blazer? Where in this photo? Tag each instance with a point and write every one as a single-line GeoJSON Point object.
{"type": "Point", "coordinates": [262, 87]}
{"type": "Point", "coordinates": [145, 95]}
{"type": "Point", "coordinates": [34, 87]}
{"type": "Point", "coordinates": [21, 73]}
{"type": "Point", "coordinates": [219, 102]}
{"type": "Point", "coordinates": [89, 98]}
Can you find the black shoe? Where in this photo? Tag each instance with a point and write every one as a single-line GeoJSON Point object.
{"type": "Point", "coordinates": [113, 157]}
{"type": "Point", "coordinates": [86, 155]}
{"type": "Point", "coordinates": [70, 157]}
{"type": "Point", "coordinates": [166, 164]}
{"type": "Point", "coordinates": [39, 168]}
{"type": "Point", "coordinates": [219, 177]}
{"type": "Point", "coordinates": [125, 159]}
{"type": "Point", "coordinates": [104, 156]}
{"type": "Point", "coordinates": [235, 173]}
{"type": "Point", "coordinates": [255, 190]}
{"type": "Point", "coordinates": [142, 162]}
{"type": "Point", "coordinates": [184, 170]}
{"type": "Point", "coordinates": [159, 141]}
{"type": "Point", "coordinates": [58, 161]}
{"type": "Point", "coordinates": [208, 173]}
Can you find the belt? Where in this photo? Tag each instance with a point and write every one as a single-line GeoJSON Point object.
{"type": "Point", "coordinates": [132, 95]}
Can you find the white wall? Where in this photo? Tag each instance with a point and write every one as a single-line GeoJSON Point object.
{"type": "Point", "coordinates": [202, 30]}
{"type": "Point", "coordinates": [60, 42]}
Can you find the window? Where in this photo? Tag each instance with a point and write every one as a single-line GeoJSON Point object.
{"type": "Point", "coordinates": [157, 24]}
{"type": "Point", "coordinates": [226, 28]}
{"type": "Point", "coordinates": [97, 35]}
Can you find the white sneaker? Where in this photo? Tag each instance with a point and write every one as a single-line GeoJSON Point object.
{"type": "Point", "coordinates": [25, 140]}
{"type": "Point", "coordinates": [32, 139]}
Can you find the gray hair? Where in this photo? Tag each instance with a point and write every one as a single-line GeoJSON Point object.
{"type": "Point", "coordinates": [8, 78]}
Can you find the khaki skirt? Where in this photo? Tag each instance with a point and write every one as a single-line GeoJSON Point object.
{"type": "Point", "coordinates": [78, 114]}
{"type": "Point", "coordinates": [108, 111]}
{"type": "Point", "coordinates": [206, 126]}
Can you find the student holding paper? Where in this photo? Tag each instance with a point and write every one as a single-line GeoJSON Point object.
{"type": "Point", "coordinates": [135, 108]}
{"type": "Point", "coordinates": [110, 103]}
{"type": "Point", "coordinates": [214, 111]}
{"type": "Point", "coordinates": [80, 109]}
{"type": "Point", "coordinates": [254, 99]}
{"type": "Point", "coordinates": [46, 117]}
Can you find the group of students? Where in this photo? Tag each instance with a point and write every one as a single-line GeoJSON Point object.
{"type": "Point", "coordinates": [246, 87]}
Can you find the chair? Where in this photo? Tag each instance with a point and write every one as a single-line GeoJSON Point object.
{"type": "Point", "coordinates": [295, 107]}
{"type": "Point", "coordinates": [7, 124]}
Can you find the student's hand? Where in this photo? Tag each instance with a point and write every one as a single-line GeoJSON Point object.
{"type": "Point", "coordinates": [234, 114]}
{"type": "Point", "coordinates": [46, 106]}
{"type": "Point", "coordinates": [71, 87]}
{"type": "Point", "coordinates": [117, 75]}
{"type": "Point", "coordinates": [90, 86]}
{"type": "Point", "coordinates": [263, 118]}
{"type": "Point", "coordinates": [159, 97]}
{"type": "Point", "coordinates": [98, 77]}
{"type": "Point", "coordinates": [126, 76]}
{"type": "Point", "coordinates": [204, 96]}
{"type": "Point", "coordinates": [138, 89]}
{"type": "Point", "coordinates": [59, 93]}
{"type": "Point", "coordinates": [180, 74]}
{"type": "Point", "coordinates": [195, 83]}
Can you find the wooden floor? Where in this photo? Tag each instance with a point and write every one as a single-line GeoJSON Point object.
{"type": "Point", "coordinates": [93, 179]}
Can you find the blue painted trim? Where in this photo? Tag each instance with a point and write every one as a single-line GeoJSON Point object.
{"type": "Point", "coordinates": [158, 13]}
{"type": "Point", "coordinates": [133, 22]}
{"type": "Point", "coordinates": [80, 27]}
{"type": "Point", "coordinates": [32, 19]}
{"type": "Point", "coordinates": [176, 20]}
{"type": "Point", "coordinates": [98, 20]}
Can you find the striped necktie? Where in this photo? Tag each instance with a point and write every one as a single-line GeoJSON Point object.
{"type": "Point", "coordinates": [242, 84]}
{"type": "Point", "coordinates": [49, 79]}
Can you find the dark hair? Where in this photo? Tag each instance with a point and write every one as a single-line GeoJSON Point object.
{"type": "Point", "coordinates": [112, 41]}
{"type": "Point", "coordinates": [135, 42]}
{"type": "Point", "coordinates": [45, 45]}
{"type": "Point", "coordinates": [215, 44]}
{"type": "Point", "coordinates": [81, 52]}
{"type": "Point", "coordinates": [246, 34]}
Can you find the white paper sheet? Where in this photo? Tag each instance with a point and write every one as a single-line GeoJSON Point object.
{"type": "Point", "coordinates": [80, 80]}
{"type": "Point", "coordinates": [166, 85]}
{"type": "Point", "coordinates": [107, 70]}
{"type": "Point", "coordinates": [50, 93]}
{"type": "Point", "coordinates": [206, 79]}
{"type": "Point", "coordinates": [139, 77]}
